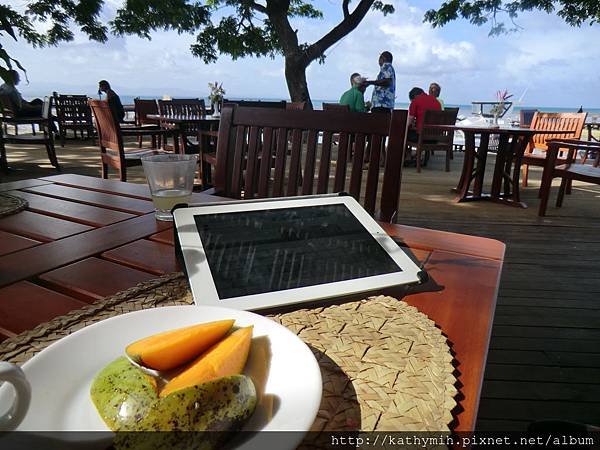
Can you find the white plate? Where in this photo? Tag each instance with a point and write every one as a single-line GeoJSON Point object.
{"type": "Point", "coordinates": [284, 370]}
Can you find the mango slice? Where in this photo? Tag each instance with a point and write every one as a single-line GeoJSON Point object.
{"type": "Point", "coordinates": [223, 359]}
{"type": "Point", "coordinates": [165, 351]}
{"type": "Point", "coordinates": [126, 399]}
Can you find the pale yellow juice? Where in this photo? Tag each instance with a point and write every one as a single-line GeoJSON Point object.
{"type": "Point", "coordinates": [166, 199]}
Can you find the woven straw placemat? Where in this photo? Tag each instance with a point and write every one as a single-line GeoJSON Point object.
{"type": "Point", "coordinates": [10, 204]}
{"type": "Point", "coordinates": [385, 365]}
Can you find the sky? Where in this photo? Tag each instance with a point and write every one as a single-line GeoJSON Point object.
{"type": "Point", "coordinates": [546, 63]}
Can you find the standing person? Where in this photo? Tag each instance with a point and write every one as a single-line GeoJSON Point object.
{"type": "Point", "coordinates": [22, 108]}
{"type": "Point", "coordinates": [435, 89]}
{"type": "Point", "coordinates": [384, 94]}
{"type": "Point", "coordinates": [355, 96]}
{"type": "Point", "coordinates": [114, 102]}
{"type": "Point", "coordinates": [419, 103]}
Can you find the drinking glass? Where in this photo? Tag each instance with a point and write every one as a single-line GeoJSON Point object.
{"type": "Point", "coordinates": [171, 180]}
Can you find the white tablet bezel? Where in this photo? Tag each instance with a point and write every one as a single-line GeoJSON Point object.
{"type": "Point", "coordinates": [201, 281]}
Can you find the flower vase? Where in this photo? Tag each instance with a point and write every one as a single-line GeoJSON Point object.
{"type": "Point", "coordinates": [495, 121]}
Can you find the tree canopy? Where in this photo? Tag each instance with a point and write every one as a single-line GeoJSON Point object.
{"type": "Point", "coordinates": [240, 28]}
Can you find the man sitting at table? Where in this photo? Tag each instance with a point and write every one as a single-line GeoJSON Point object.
{"type": "Point", "coordinates": [419, 103]}
{"type": "Point", "coordinates": [355, 96]}
{"type": "Point", "coordinates": [22, 108]}
{"type": "Point", "coordinates": [114, 102]}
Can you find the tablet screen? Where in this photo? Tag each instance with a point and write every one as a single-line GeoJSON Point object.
{"type": "Point", "coordinates": [254, 252]}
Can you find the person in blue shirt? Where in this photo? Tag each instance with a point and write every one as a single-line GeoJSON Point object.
{"type": "Point", "coordinates": [384, 93]}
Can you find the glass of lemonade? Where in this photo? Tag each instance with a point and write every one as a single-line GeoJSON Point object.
{"type": "Point", "coordinates": [171, 179]}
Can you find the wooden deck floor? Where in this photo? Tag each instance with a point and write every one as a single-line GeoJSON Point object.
{"type": "Point", "coordinates": [544, 359]}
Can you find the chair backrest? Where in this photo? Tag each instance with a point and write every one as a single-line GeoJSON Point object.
{"type": "Point", "coordinates": [182, 107]}
{"type": "Point", "coordinates": [296, 106]}
{"type": "Point", "coordinates": [335, 107]}
{"type": "Point", "coordinates": [109, 130]}
{"type": "Point", "coordinates": [142, 109]}
{"type": "Point", "coordinates": [435, 117]}
{"type": "Point", "coordinates": [257, 104]}
{"type": "Point", "coordinates": [556, 122]}
{"type": "Point", "coordinates": [256, 145]}
{"type": "Point", "coordinates": [525, 117]}
{"type": "Point", "coordinates": [72, 109]}
{"type": "Point", "coordinates": [8, 108]}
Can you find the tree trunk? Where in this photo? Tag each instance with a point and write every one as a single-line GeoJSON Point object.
{"type": "Point", "coordinates": [295, 76]}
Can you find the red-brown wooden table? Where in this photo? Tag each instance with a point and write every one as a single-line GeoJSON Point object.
{"type": "Point", "coordinates": [84, 238]}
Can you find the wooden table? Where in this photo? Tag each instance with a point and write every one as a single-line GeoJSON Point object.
{"type": "Point", "coordinates": [512, 142]}
{"type": "Point", "coordinates": [84, 238]}
{"type": "Point", "coordinates": [183, 123]}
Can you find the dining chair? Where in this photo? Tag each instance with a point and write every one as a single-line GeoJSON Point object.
{"type": "Point", "coordinates": [535, 154]}
{"type": "Point", "coordinates": [142, 109]}
{"type": "Point", "coordinates": [431, 139]}
{"type": "Point", "coordinates": [252, 159]}
{"type": "Point", "coordinates": [569, 170]}
{"type": "Point", "coordinates": [44, 137]}
{"type": "Point", "coordinates": [526, 117]}
{"type": "Point", "coordinates": [182, 108]}
{"type": "Point", "coordinates": [298, 106]}
{"type": "Point", "coordinates": [73, 113]}
{"type": "Point", "coordinates": [110, 139]}
{"type": "Point", "coordinates": [336, 107]}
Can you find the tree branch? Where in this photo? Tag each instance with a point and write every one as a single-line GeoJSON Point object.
{"type": "Point", "coordinates": [345, 4]}
{"type": "Point", "coordinates": [277, 10]}
{"type": "Point", "coordinates": [349, 23]}
{"type": "Point", "coordinates": [258, 7]}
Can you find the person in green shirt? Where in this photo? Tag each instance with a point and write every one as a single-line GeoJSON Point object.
{"type": "Point", "coordinates": [355, 96]}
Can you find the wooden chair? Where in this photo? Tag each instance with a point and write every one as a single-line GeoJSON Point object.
{"type": "Point", "coordinates": [526, 117]}
{"type": "Point", "coordinates": [251, 138]}
{"type": "Point", "coordinates": [431, 139]}
{"type": "Point", "coordinates": [142, 109]}
{"type": "Point", "coordinates": [73, 113]}
{"type": "Point", "coordinates": [535, 155]}
{"type": "Point", "coordinates": [296, 106]}
{"type": "Point", "coordinates": [110, 137]}
{"type": "Point", "coordinates": [336, 107]}
{"type": "Point", "coordinates": [184, 107]}
{"type": "Point", "coordinates": [45, 137]}
{"type": "Point", "coordinates": [568, 171]}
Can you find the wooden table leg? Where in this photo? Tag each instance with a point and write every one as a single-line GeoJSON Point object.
{"type": "Point", "coordinates": [501, 158]}
{"type": "Point", "coordinates": [481, 156]}
{"type": "Point", "coordinates": [465, 178]}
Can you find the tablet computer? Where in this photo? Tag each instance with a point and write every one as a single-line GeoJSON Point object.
{"type": "Point", "coordinates": [263, 254]}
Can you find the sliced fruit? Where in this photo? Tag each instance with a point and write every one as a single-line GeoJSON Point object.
{"type": "Point", "coordinates": [126, 399]}
{"type": "Point", "coordinates": [223, 359]}
{"type": "Point", "coordinates": [165, 351]}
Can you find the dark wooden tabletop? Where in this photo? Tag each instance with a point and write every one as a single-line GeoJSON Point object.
{"type": "Point", "coordinates": [84, 238]}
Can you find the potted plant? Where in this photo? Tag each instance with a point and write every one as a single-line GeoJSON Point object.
{"type": "Point", "coordinates": [499, 108]}
{"type": "Point", "coordinates": [216, 96]}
